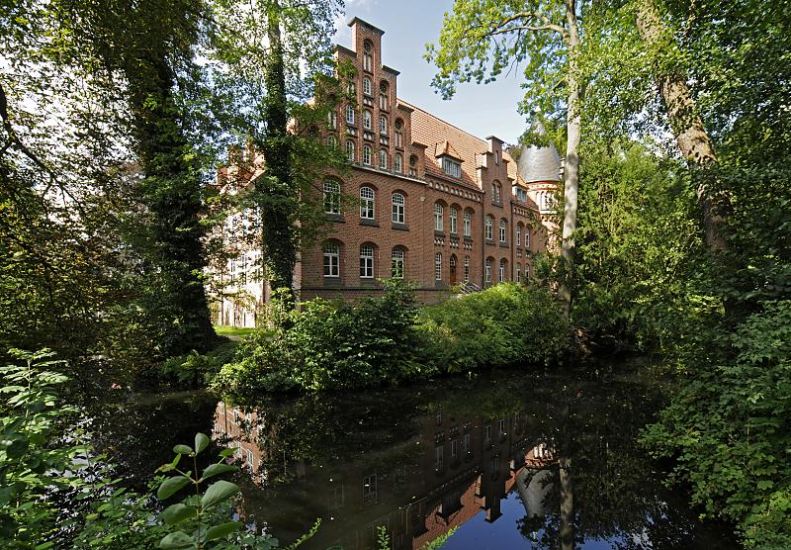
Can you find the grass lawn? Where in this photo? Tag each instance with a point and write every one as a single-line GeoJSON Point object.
{"type": "Point", "coordinates": [233, 333]}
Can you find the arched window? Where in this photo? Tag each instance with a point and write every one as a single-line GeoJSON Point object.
{"type": "Point", "coordinates": [382, 159]}
{"type": "Point", "coordinates": [332, 120]}
{"type": "Point", "coordinates": [367, 86]}
{"type": "Point", "coordinates": [518, 238]}
{"type": "Point", "coordinates": [497, 192]}
{"type": "Point", "coordinates": [383, 99]}
{"type": "Point", "coordinates": [399, 203]}
{"type": "Point", "coordinates": [518, 272]}
{"type": "Point", "coordinates": [527, 237]}
{"type": "Point", "coordinates": [367, 201]}
{"type": "Point", "coordinates": [349, 114]}
{"type": "Point", "coordinates": [366, 261]}
{"type": "Point", "coordinates": [413, 165]}
{"type": "Point", "coordinates": [466, 269]}
{"type": "Point", "coordinates": [489, 228]}
{"type": "Point", "coordinates": [367, 155]}
{"type": "Point", "coordinates": [367, 120]}
{"type": "Point", "coordinates": [382, 124]}
{"type": "Point", "coordinates": [397, 263]}
{"type": "Point", "coordinates": [332, 142]}
{"type": "Point", "coordinates": [453, 263]}
{"type": "Point", "coordinates": [487, 275]}
{"type": "Point", "coordinates": [399, 137]}
{"type": "Point", "coordinates": [468, 223]}
{"type": "Point", "coordinates": [352, 89]}
{"type": "Point", "coordinates": [503, 231]}
{"type": "Point", "coordinates": [439, 214]}
{"type": "Point", "coordinates": [332, 197]}
{"type": "Point", "coordinates": [350, 150]}
{"type": "Point", "coordinates": [368, 58]}
{"type": "Point", "coordinates": [502, 273]}
{"type": "Point", "coordinates": [332, 255]}
{"type": "Point", "coordinates": [438, 266]}
{"type": "Point", "coordinates": [454, 220]}
{"type": "Point", "coordinates": [398, 163]}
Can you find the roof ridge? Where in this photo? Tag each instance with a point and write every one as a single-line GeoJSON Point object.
{"type": "Point", "coordinates": [483, 141]}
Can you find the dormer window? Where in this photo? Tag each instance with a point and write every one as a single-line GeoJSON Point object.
{"type": "Point", "coordinates": [451, 167]}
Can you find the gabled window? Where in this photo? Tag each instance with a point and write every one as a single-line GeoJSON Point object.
{"type": "Point", "coordinates": [467, 223]}
{"type": "Point", "coordinates": [454, 215]}
{"type": "Point", "coordinates": [399, 203]}
{"type": "Point", "coordinates": [367, 155]}
{"type": "Point", "coordinates": [349, 114]}
{"type": "Point", "coordinates": [451, 167]}
{"type": "Point", "coordinates": [331, 260]}
{"type": "Point", "coordinates": [366, 261]}
{"type": "Point", "coordinates": [367, 201]}
{"type": "Point", "coordinates": [489, 228]}
{"type": "Point", "coordinates": [332, 197]}
{"type": "Point", "coordinates": [439, 222]}
{"type": "Point", "coordinates": [382, 159]}
{"type": "Point", "coordinates": [397, 263]}
{"type": "Point", "coordinates": [350, 150]}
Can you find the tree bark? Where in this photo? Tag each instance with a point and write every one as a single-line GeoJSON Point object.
{"type": "Point", "coordinates": [573, 129]}
{"type": "Point", "coordinates": [692, 139]}
{"type": "Point", "coordinates": [275, 190]}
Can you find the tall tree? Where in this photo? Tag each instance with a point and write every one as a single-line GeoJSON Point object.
{"type": "Point", "coordinates": [481, 38]}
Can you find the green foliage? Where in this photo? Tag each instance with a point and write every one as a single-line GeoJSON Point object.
{"type": "Point", "coordinates": [195, 369]}
{"type": "Point", "coordinates": [727, 431]}
{"type": "Point", "coordinates": [502, 325]}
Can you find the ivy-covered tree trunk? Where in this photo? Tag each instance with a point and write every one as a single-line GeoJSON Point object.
{"type": "Point", "coordinates": [693, 140]}
{"type": "Point", "coordinates": [275, 191]}
{"type": "Point", "coordinates": [176, 299]}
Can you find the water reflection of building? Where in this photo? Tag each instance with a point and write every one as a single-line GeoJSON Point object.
{"type": "Point", "coordinates": [420, 488]}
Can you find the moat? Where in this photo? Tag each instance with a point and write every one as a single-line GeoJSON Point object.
{"type": "Point", "coordinates": [475, 462]}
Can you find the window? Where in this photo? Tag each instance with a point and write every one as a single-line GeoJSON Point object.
{"type": "Point", "coordinates": [451, 167]}
{"type": "Point", "coordinates": [367, 197]}
{"type": "Point", "coordinates": [518, 235]}
{"type": "Point", "coordinates": [367, 120]}
{"type": "Point", "coordinates": [521, 195]}
{"type": "Point", "coordinates": [438, 266]}
{"type": "Point", "coordinates": [382, 124]}
{"type": "Point", "coordinates": [349, 114]}
{"type": "Point", "coordinates": [527, 237]}
{"type": "Point", "coordinates": [503, 231]}
{"type": "Point", "coordinates": [413, 165]}
{"type": "Point", "coordinates": [439, 458]}
{"type": "Point", "coordinates": [383, 102]}
{"type": "Point", "coordinates": [466, 269]}
{"type": "Point", "coordinates": [399, 139]}
{"type": "Point", "coordinates": [332, 120]}
{"type": "Point", "coordinates": [454, 214]}
{"type": "Point", "coordinates": [352, 89]}
{"type": "Point", "coordinates": [398, 208]}
{"type": "Point", "coordinates": [497, 193]}
{"type": "Point", "coordinates": [332, 142]}
{"type": "Point", "coordinates": [398, 163]}
{"type": "Point", "coordinates": [397, 264]}
{"type": "Point", "coordinates": [439, 222]}
{"type": "Point", "coordinates": [489, 228]}
{"type": "Point", "coordinates": [367, 155]}
{"type": "Point", "coordinates": [368, 58]}
{"type": "Point", "coordinates": [488, 271]}
{"type": "Point", "coordinates": [367, 90]}
{"type": "Point", "coordinates": [350, 150]}
{"type": "Point", "coordinates": [331, 260]}
{"type": "Point", "coordinates": [366, 261]}
{"type": "Point", "coordinates": [501, 274]}
{"type": "Point", "coordinates": [518, 272]}
{"type": "Point", "coordinates": [467, 223]}
{"type": "Point", "coordinates": [454, 448]}
{"type": "Point", "coordinates": [332, 197]}
{"type": "Point", "coordinates": [369, 488]}
{"type": "Point", "coordinates": [382, 159]}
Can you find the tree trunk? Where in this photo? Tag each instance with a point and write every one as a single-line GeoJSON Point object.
{"type": "Point", "coordinates": [571, 166]}
{"type": "Point", "coordinates": [693, 141]}
{"type": "Point", "coordinates": [275, 190]}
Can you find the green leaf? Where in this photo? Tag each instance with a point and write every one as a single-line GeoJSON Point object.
{"type": "Point", "coordinates": [176, 513]}
{"type": "Point", "coordinates": [201, 442]}
{"type": "Point", "coordinates": [218, 492]}
{"type": "Point", "coordinates": [217, 469]}
{"type": "Point", "coordinates": [171, 486]}
{"type": "Point", "coordinates": [179, 539]}
{"type": "Point", "coordinates": [181, 449]}
{"type": "Point", "coordinates": [222, 530]}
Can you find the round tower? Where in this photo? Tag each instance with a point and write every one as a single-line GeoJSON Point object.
{"type": "Point", "coordinates": [541, 170]}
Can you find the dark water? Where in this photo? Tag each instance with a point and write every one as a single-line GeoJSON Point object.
{"type": "Point", "coordinates": [477, 462]}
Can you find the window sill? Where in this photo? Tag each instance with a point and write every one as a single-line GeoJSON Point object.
{"type": "Point", "coordinates": [467, 239]}
{"type": "Point", "coordinates": [503, 245]}
{"type": "Point", "coordinates": [400, 226]}
{"type": "Point", "coordinates": [371, 223]}
{"type": "Point", "coordinates": [439, 233]}
{"type": "Point", "coordinates": [497, 203]}
{"type": "Point", "coordinates": [337, 218]}
{"type": "Point", "coordinates": [332, 281]}
{"type": "Point", "coordinates": [489, 242]}
{"type": "Point", "coordinates": [368, 282]}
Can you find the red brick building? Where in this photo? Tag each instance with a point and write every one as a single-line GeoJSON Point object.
{"type": "Point", "coordinates": [437, 205]}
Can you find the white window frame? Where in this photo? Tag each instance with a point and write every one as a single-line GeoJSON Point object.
{"type": "Point", "coordinates": [398, 163]}
{"type": "Point", "coordinates": [397, 263]}
{"type": "Point", "coordinates": [367, 153]}
{"type": "Point", "coordinates": [501, 271]}
{"type": "Point", "coordinates": [454, 220]}
{"type": "Point", "coordinates": [382, 159]}
{"type": "Point", "coordinates": [467, 223]}
{"type": "Point", "coordinates": [350, 115]}
{"type": "Point", "coordinates": [438, 266]}
{"type": "Point", "coordinates": [466, 269]}
{"type": "Point", "coordinates": [332, 197]}
{"type": "Point", "coordinates": [332, 260]}
{"type": "Point", "coordinates": [439, 217]}
{"type": "Point", "coordinates": [351, 152]}
{"type": "Point", "coordinates": [367, 261]}
{"type": "Point", "coordinates": [399, 208]}
{"type": "Point", "coordinates": [368, 120]}
{"type": "Point", "coordinates": [503, 231]}
{"type": "Point", "coordinates": [451, 167]}
{"type": "Point", "coordinates": [367, 203]}
{"type": "Point", "coordinates": [383, 124]}
{"type": "Point", "coordinates": [367, 87]}
{"type": "Point", "coordinates": [488, 271]}
{"type": "Point", "coordinates": [489, 228]}
{"type": "Point", "coordinates": [518, 235]}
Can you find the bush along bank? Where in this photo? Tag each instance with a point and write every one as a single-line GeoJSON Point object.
{"type": "Point", "coordinates": [328, 345]}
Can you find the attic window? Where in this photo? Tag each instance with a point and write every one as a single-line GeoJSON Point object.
{"type": "Point", "coordinates": [451, 167]}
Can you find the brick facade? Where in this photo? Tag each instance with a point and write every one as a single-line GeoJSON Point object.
{"type": "Point", "coordinates": [444, 175]}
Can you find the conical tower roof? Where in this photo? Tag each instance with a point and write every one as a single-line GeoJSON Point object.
{"type": "Point", "coordinates": [539, 164]}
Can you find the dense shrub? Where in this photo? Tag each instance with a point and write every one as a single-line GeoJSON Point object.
{"type": "Point", "coordinates": [727, 433]}
{"type": "Point", "coordinates": [195, 369]}
{"type": "Point", "coordinates": [334, 345]}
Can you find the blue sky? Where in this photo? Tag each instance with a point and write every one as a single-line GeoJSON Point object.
{"type": "Point", "coordinates": [483, 110]}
